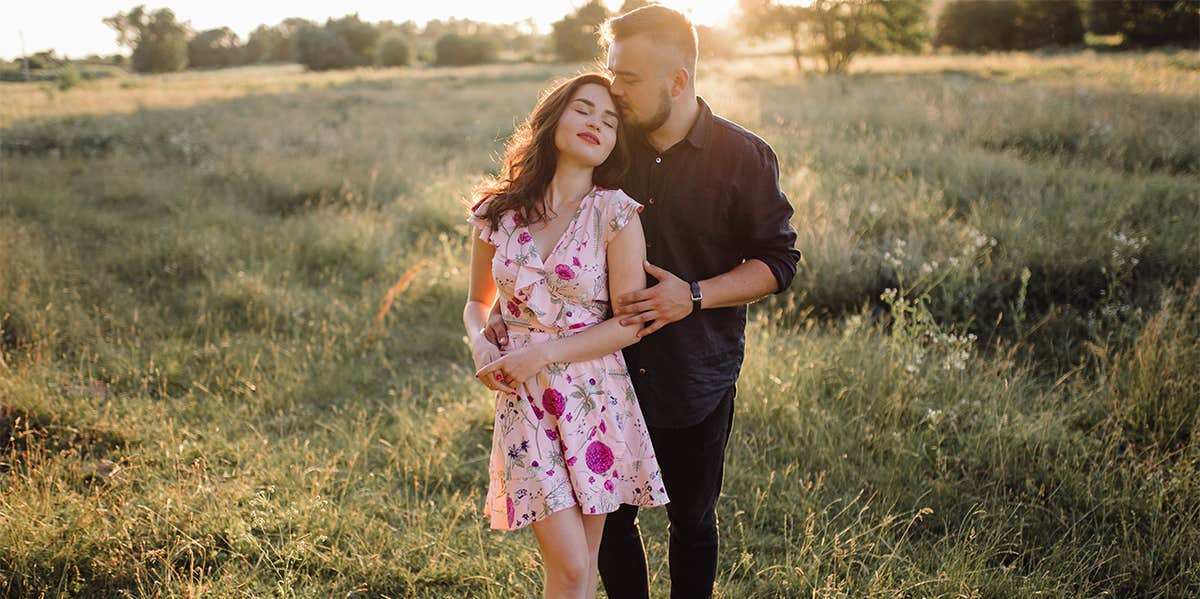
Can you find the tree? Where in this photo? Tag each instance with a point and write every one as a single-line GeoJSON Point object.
{"type": "Point", "coordinates": [1144, 23]}
{"type": "Point", "coordinates": [575, 35]}
{"type": "Point", "coordinates": [982, 25]}
{"type": "Point", "coordinates": [837, 30]}
{"type": "Point", "coordinates": [159, 42]}
{"type": "Point", "coordinates": [214, 48]}
{"type": "Point", "coordinates": [1056, 23]}
{"type": "Point", "coordinates": [395, 50]}
{"type": "Point", "coordinates": [453, 49]}
{"type": "Point", "coordinates": [359, 36]}
{"type": "Point", "coordinates": [261, 45]}
{"type": "Point", "coordinates": [320, 50]}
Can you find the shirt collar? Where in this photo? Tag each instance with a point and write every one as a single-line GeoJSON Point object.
{"type": "Point", "coordinates": [698, 135]}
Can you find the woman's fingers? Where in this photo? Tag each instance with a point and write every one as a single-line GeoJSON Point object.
{"type": "Point", "coordinates": [494, 376]}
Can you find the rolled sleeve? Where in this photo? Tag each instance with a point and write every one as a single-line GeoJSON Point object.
{"type": "Point", "coordinates": [767, 232]}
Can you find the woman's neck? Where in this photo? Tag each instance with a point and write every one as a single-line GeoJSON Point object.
{"type": "Point", "coordinates": [570, 184]}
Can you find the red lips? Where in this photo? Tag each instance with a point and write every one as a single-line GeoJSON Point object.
{"type": "Point", "coordinates": [590, 138]}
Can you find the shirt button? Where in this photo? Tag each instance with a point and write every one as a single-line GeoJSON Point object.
{"type": "Point", "coordinates": [641, 371]}
{"type": "Point", "coordinates": [649, 245]}
{"type": "Point", "coordinates": [658, 160]}
{"type": "Point", "coordinates": [651, 200]}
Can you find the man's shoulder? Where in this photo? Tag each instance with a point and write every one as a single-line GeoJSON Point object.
{"type": "Point", "coordinates": [731, 136]}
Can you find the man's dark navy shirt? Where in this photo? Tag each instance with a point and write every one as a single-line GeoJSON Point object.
{"type": "Point", "coordinates": [710, 202]}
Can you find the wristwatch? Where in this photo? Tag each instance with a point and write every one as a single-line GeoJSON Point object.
{"type": "Point", "coordinates": [696, 297]}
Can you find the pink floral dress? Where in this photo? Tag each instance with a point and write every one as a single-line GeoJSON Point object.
{"type": "Point", "coordinates": [575, 433]}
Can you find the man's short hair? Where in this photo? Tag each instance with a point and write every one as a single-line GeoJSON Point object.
{"type": "Point", "coordinates": [663, 25]}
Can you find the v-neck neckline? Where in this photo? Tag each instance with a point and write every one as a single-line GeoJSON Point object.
{"type": "Point", "coordinates": [570, 225]}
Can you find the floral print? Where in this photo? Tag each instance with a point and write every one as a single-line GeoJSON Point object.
{"type": "Point", "coordinates": [574, 434]}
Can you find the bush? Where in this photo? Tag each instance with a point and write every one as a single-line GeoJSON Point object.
{"type": "Point", "coordinates": [395, 51]}
{"type": "Point", "coordinates": [69, 77]}
{"type": "Point", "coordinates": [575, 35]}
{"type": "Point", "coordinates": [360, 37]}
{"type": "Point", "coordinates": [214, 48]}
{"type": "Point", "coordinates": [1147, 22]}
{"type": "Point", "coordinates": [982, 25]}
{"type": "Point", "coordinates": [320, 50]}
{"type": "Point", "coordinates": [453, 49]}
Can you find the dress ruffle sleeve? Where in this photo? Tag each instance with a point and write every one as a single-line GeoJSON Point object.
{"type": "Point", "coordinates": [481, 224]}
{"type": "Point", "coordinates": [618, 211]}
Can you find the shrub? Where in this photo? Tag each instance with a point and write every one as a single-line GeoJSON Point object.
{"type": "Point", "coordinates": [453, 49]}
{"type": "Point", "coordinates": [320, 50]}
{"type": "Point", "coordinates": [395, 50]}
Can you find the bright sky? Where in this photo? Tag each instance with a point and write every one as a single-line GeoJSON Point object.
{"type": "Point", "coordinates": [75, 28]}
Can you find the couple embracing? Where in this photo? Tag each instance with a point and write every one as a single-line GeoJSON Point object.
{"type": "Point", "coordinates": [610, 270]}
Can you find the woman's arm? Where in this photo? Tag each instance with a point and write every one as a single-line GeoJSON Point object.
{"type": "Point", "coordinates": [625, 253]}
{"type": "Point", "coordinates": [626, 250]}
{"type": "Point", "coordinates": [481, 294]}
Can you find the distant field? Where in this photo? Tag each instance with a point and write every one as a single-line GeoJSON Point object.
{"type": "Point", "coordinates": [984, 381]}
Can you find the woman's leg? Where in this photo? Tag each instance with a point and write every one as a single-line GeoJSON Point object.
{"type": "Point", "coordinates": [593, 530]}
{"type": "Point", "coordinates": [563, 540]}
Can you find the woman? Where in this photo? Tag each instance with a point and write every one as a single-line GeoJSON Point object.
{"type": "Point", "coordinates": [556, 240]}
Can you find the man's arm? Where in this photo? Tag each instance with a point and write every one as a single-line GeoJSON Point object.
{"type": "Point", "coordinates": [768, 241]}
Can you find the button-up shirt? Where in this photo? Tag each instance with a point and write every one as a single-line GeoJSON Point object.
{"type": "Point", "coordinates": [710, 202]}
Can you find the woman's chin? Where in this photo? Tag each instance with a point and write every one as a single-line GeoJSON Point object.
{"type": "Point", "coordinates": [585, 158]}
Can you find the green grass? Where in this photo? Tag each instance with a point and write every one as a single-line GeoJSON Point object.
{"type": "Point", "coordinates": [195, 395]}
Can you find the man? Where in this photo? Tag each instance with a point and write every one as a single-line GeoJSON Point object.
{"type": "Point", "coordinates": [717, 238]}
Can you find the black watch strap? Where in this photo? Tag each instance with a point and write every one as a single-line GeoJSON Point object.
{"type": "Point", "coordinates": [696, 297]}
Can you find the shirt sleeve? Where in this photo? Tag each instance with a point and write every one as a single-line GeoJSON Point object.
{"type": "Point", "coordinates": [618, 212]}
{"type": "Point", "coordinates": [765, 222]}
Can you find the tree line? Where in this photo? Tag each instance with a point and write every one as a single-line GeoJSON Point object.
{"type": "Point", "coordinates": [834, 31]}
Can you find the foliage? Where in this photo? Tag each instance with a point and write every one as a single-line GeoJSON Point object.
{"type": "Point", "coordinates": [575, 35]}
{"type": "Point", "coordinates": [837, 30]}
{"type": "Point", "coordinates": [159, 42]}
{"type": "Point", "coordinates": [360, 37]}
{"type": "Point", "coordinates": [215, 48]}
{"type": "Point", "coordinates": [981, 25]}
{"type": "Point", "coordinates": [320, 49]}
{"type": "Point", "coordinates": [460, 50]}
{"type": "Point", "coordinates": [1145, 23]}
{"type": "Point", "coordinates": [395, 50]}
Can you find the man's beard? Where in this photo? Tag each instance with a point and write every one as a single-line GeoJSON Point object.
{"type": "Point", "coordinates": [661, 114]}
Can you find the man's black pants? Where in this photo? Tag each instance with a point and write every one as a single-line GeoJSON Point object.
{"type": "Point", "coordinates": [692, 461]}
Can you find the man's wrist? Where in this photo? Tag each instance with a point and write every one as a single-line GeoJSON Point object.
{"type": "Point", "coordinates": [697, 296]}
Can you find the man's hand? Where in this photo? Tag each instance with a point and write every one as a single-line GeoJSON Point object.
{"type": "Point", "coordinates": [668, 301]}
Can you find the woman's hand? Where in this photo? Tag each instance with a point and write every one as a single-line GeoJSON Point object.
{"type": "Point", "coordinates": [514, 368]}
{"type": "Point", "coordinates": [484, 354]}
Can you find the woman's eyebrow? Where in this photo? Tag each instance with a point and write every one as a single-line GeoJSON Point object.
{"type": "Point", "coordinates": [593, 106]}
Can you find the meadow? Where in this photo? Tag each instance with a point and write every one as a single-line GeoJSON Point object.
{"type": "Point", "coordinates": [232, 360]}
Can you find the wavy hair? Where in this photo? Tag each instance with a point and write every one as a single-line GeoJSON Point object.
{"type": "Point", "coordinates": [531, 157]}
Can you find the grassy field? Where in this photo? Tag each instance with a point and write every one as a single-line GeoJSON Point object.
{"type": "Point", "coordinates": [232, 361]}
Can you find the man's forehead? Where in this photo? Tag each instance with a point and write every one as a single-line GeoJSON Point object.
{"type": "Point", "coordinates": [636, 55]}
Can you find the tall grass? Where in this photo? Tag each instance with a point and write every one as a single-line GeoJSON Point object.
{"type": "Point", "coordinates": [231, 364]}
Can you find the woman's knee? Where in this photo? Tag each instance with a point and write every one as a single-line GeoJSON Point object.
{"type": "Point", "coordinates": [571, 571]}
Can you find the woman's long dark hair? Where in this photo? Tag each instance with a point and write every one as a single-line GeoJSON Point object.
{"type": "Point", "coordinates": [531, 157]}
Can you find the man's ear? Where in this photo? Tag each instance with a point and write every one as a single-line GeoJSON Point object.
{"type": "Point", "coordinates": [679, 81]}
